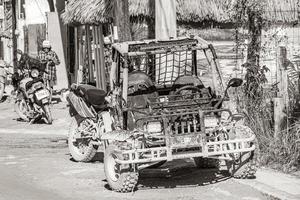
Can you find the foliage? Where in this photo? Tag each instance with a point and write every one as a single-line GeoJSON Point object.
{"type": "Point", "coordinates": [283, 152]}
{"type": "Point", "coordinates": [255, 78]}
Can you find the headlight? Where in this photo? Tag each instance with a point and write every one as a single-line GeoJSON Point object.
{"type": "Point", "coordinates": [35, 73]}
{"type": "Point", "coordinates": [211, 122]}
{"type": "Point", "coordinates": [154, 127]}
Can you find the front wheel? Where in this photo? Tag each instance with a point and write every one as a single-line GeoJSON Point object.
{"type": "Point", "coordinates": [21, 109]}
{"type": "Point", "coordinates": [81, 148]}
{"type": "Point", "coordinates": [120, 178]}
{"type": "Point", "coordinates": [48, 114]}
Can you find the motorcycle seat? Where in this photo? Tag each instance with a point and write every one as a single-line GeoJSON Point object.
{"type": "Point", "coordinates": [91, 94]}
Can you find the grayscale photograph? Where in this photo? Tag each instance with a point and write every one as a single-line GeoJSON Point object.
{"type": "Point", "coordinates": [150, 99]}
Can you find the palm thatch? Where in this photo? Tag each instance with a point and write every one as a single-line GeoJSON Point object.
{"type": "Point", "coordinates": [100, 11]}
{"type": "Point", "coordinates": [145, 8]}
{"type": "Point", "coordinates": [282, 10]}
{"type": "Point", "coordinates": [201, 10]}
{"type": "Point", "coordinates": [87, 12]}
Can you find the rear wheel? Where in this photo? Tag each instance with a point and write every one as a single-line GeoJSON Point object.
{"type": "Point", "coordinates": [21, 109]}
{"type": "Point", "coordinates": [244, 165]}
{"type": "Point", "coordinates": [206, 163]}
{"type": "Point", "coordinates": [121, 178]}
{"type": "Point", "coordinates": [80, 147]}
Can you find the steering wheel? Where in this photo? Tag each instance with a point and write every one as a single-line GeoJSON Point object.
{"type": "Point", "coordinates": [187, 87]}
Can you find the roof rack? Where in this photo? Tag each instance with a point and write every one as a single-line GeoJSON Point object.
{"type": "Point", "coordinates": [162, 45]}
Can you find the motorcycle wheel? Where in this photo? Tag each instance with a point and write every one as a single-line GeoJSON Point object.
{"type": "Point", "coordinates": [48, 114]}
{"type": "Point", "coordinates": [80, 150]}
{"type": "Point", "coordinates": [2, 87]}
{"type": "Point", "coordinates": [21, 109]}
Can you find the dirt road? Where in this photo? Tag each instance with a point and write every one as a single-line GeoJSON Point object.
{"type": "Point", "coordinates": [35, 164]}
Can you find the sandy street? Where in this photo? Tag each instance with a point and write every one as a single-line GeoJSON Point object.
{"type": "Point", "coordinates": [35, 164]}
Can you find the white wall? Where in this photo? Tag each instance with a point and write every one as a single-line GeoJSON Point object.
{"type": "Point", "coordinates": [35, 11]}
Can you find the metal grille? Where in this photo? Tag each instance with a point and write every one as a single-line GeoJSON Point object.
{"type": "Point", "coordinates": [163, 68]}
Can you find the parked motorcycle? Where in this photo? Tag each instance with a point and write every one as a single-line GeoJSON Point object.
{"type": "Point", "coordinates": [32, 98]}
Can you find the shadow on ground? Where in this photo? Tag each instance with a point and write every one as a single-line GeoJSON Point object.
{"type": "Point", "coordinates": [178, 174]}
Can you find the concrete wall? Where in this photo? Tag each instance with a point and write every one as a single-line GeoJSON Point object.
{"type": "Point", "coordinates": [55, 32]}
{"type": "Point", "coordinates": [35, 11]}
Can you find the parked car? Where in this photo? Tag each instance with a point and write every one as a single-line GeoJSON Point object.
{"type": "Point", "coordinates": [160, 107]}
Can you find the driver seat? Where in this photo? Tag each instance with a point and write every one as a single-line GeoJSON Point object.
{"type": "Point", "coordinates": [141, 89]}
{"type": "Point", "coordinates": [91, 94]}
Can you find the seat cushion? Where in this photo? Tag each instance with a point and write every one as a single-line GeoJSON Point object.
{"type": "Point", "coordinates": [92, 94]}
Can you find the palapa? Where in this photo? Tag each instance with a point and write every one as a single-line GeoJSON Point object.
{"type": "Point", "coordinates": [101, 11]}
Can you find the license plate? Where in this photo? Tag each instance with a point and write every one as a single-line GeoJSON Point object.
{"type": "Point", "coordinates": [42, 94]}
{"type": "Point", "coordinates": [186, 140]}
{"type": "Point", "coordinates": [211, 122]}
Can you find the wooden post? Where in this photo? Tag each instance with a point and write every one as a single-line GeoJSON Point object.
{"type": "Point", "coordinates": [89, 51]}
{"type": "Point", "coordinates": [76, 45]}
{"type": "Point", "coordinates": [165, 13]}
{"type": "Point", "coordinates": [278, 115]}
{"type": "Point", "coordinates": [99, 57]}
{"type": "Point", "coordinates": [80, 56]}
{"type": "Point", "coordinates": [14, 37]}
{"type": "Point", "coordinates": [95, 39]}
{"type": "Point", "coordinates": [281, 103]}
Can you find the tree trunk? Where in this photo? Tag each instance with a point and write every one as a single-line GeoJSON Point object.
{"type": "Point", "coordinates": [51, 5]}
{"type": "Point", "coordinates": [255, 31]}
{"type": "Point", "coordinates": [121, 20]}
{"type": "Point", "coordinates": [151, 20]}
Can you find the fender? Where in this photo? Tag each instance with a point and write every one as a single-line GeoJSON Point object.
{"type": "Point", "coordinates": [107, 133]}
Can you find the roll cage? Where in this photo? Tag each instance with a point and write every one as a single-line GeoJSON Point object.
{"type": "Point", "coordinates": [165, 61]}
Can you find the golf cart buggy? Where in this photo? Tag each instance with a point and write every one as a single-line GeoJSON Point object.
{"type": "Point", "coordinates": [165, 103]}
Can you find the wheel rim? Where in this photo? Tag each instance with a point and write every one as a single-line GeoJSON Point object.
{"type": "Point", "coordinates": [80, 145]}
{"type": "Point", "coordinates": [113, 168]}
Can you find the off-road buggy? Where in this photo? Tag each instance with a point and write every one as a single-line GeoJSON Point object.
{"type": "Point", "coordinates": [165, 103]}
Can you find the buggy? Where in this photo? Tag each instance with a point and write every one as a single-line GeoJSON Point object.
{"type": "Point", "coordinates": [165, 102]}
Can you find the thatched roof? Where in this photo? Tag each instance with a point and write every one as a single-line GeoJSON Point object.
{"type": "Point", "coordinates": [87, 11]}
{"type": "Point", "coordinates": [99, 11]}
{"type": "Point", "coordinates": [282, 10]}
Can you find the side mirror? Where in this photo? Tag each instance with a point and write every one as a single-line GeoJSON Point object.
{"type": "Point", "coordinates": [235, 82]}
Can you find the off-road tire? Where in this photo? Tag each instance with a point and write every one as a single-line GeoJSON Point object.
{"type": "Point", "coordinates": [127, 178]}
{"type": "Point", "coordinates": [247, 164]}
{"type": "Point", "coordinates": [90, 151]}
{"type": "Point", "coordinates": [206, 163]}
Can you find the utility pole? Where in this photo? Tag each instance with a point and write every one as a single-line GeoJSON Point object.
{"type": "Point", "coordinates": [121, 20]}
{"type": "Point", "coordinates": [165, 19]}
{"type": "Point", "coordinates": [14, 37]}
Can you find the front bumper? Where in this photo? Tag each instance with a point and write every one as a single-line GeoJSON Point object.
{"type": "Point", "coordinates": [209, 149]}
